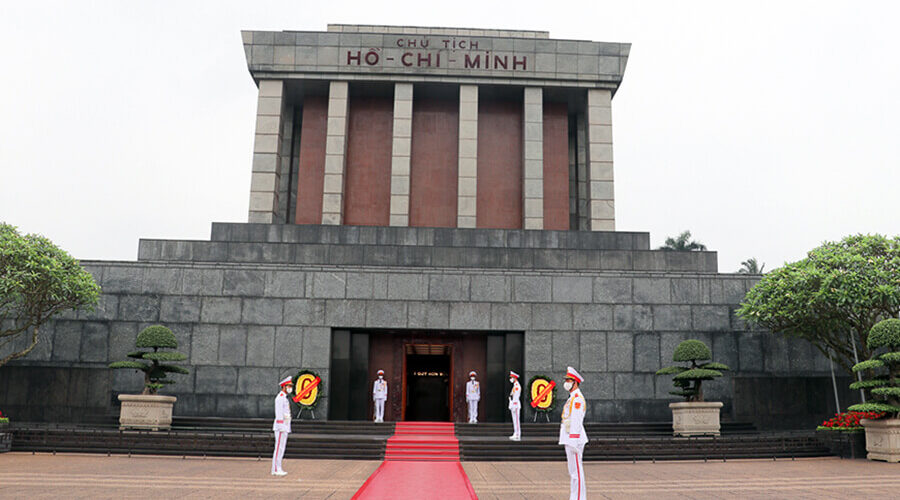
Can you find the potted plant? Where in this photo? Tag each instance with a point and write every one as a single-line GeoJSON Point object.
{"type": "Point", "coordinates": [694, 416]}
{"type": "Point", "coordinates": [844, 434]}
{"type": "Point", "coordinates": [882, 434]}
{"type": "Point", "coordinates": [150, 410]}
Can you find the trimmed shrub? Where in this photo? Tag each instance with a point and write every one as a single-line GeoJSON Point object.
{"type": "Point", "coordinates": [688, 380]}
{"type": "Point", "coordinates": [154, 337]}
{"type": "Point", "coordinates": [883, 369]}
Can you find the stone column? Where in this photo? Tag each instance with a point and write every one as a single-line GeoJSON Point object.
{"type": "Point", "coordinates": [400, 154]}
{"type": "Point", "coordinates": [582, 200]}
{"type": "Point", "coordinates": [265, 178]}
{"type": "Point", "coordinates": [335, 154]}
{"type": "Point", "coordinates": [600, 160]}
{"type": "Point", "coordinates": [468, 156]}
{"type": "Point", "coordinates": [533, 151]}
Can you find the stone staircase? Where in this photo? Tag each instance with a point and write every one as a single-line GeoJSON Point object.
{"type": "Point", "coordinates": [423, 441]}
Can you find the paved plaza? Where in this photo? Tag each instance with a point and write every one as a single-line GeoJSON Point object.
{"type": "Point", "coordinates": [42, 475]}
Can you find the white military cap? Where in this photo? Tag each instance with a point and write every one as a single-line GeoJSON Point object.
{"type": "Point", "coordinates": [472, 373]}
{"type": "Point", "coordinates": [286, 381]}
{"type": "Point", "coordinates": [574, 375]}
{"type": "Point", "coordinates": [513, 374]}
{"type": "Point", "coordinates": [380, 372]}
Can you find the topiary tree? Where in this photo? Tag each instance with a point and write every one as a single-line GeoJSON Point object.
{"type": "Point", "coordinates": [154, 337]}
{"type": "Point", "coordinates": [688, 380]}
{"type": "Point", "coordinates": [884, 337]}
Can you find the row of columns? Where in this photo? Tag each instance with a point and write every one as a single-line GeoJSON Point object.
{"type": "Point", "coordinates": [268, 156]}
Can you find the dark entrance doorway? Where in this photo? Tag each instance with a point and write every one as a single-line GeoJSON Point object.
{"type": "Point", "coordinates": [427, 395]}
{"type": "Point", "coordinates": [357, 355]}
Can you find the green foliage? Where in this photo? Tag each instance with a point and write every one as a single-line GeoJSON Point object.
{"type": "Point", "coordinates": [833, 297]}
{"type": "Point", "coordinates": [688, 379]}
{"type": "Point", "coordinates": [698, 374]}
{"type": "Point", "coordinates": [888, 408]}
{"type": "Point", "coordinates": [890, 357]}
{"type": "Point", "coordinates": [165, 356]}
{"type": "Point", "coordinates": [691, 350]}
{"type": "Point", "coordinates": [887, 391]}
{"type": "Point", "coordinates": [869, 384]}
{"type": "Point", "coordinates": [682, 243]}
{"type": "Point", "coordinates": [886, 333]}
{"type": "Point", "coordinates": [155, 337]}
{"type": "Point", "coordinates": [751, 266]}
{"type": "Point", "coordinates": [868, 364]}
{"type": "Point", "coordinates": [37, 281]}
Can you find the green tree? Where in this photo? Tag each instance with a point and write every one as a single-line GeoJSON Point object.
{"type": "Point", "coordinates": [682, 243]}
{"type": "Point", "coordinates": [751, 266]}
{"type": "Point", "coordinates": [688, 379]}
{"type": "Point", "coordinates": [154, 337]}
{"type": "Point", "coordinates": [37, 281]}
{"type": "Point", "coordinates": [833, 297]}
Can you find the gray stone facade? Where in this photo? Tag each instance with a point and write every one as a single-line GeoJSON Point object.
{"type": "Point", "coordinates": [250, 308]}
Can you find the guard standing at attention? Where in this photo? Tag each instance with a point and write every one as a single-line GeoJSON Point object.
{"type": "Point", "coordinates": [473, 395]}
{"type": "Point", "coordinates": [572, 435]}
{"type": "Point", "coordinates": [379, 395]}
{"type": "Point", "coordinates": [282, 425]}
{"type": "Point", "coordinates": [515, 405]}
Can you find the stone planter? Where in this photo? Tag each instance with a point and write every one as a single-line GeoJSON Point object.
{"type": "Point", "coordinates": [696, 418]}
{"type": "Point", "coordinates": [844, 444]}
{"type": "Point", "coordinates": [145, 411]}
{"type": "Point", "coordinates": [883, 439]}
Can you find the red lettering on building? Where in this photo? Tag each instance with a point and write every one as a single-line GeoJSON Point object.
{"type": "Point", "coordinates": [501, 61]}
{"type": "Point", "coordinates": [523, 62]}
{"type": "Point", "coordinates": [403, 59]}
{"type": "Point", "coordinates": [351, 57]}
{"type": "Point", "coordinates": [470, 62]}
{"type": "Point", "coordinates": [426, 59]}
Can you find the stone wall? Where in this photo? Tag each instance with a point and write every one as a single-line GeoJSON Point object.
{"type": "Point", "coordinates": [246, 324]}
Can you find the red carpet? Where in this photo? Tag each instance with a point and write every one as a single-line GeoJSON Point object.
{"type": "Point", "coordinates": [421, 462]}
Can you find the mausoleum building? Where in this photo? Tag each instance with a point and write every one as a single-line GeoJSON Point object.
{"type": "Point", "coordinates": [426, 201]}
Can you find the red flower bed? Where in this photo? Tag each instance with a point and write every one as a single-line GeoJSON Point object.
{"type": "Point", "coordinates": [849, 420]}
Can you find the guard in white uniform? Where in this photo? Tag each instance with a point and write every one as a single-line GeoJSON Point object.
{"type": "Point", "coordinates": [282, 425]}
{"type": "Point", "coordinates": [379, 395]}
{"type": "Point", "coordinates": [515, 405]}
{"type": "Point", "coordinates": [572, 435]}
{"type": "Point", "coordinates": [473, 396]}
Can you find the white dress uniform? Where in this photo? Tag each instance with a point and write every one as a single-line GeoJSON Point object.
{"type": "Point", "coordinates": [515, 406]}
{"type": "Point", "coordinates": [379, 395]}
{"type": "Point", "coordinates": [573, 437]}
{"type": "Point", "coordinates": [473, 396]}
{"type": "Point", "coordinates": [282, 427]}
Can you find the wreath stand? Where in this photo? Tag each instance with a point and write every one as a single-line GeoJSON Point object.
{"type": "Point", "coordinates": [305, 408]}
{"type": "Point", "coordinates": [546, 415]}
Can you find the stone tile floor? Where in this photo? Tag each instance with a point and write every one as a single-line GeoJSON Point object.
{"type": "Point", "coordinates": [83, 476]}
{"type": "Point", "coordinates": [819, 478]}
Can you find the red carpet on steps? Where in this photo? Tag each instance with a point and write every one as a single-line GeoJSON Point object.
{"type": "Point", "coordinates": [421, 462]}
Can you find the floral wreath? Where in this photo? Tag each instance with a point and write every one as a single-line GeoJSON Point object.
{"type": "Point", "coordinates": [553, 400]}
{"type": "Point", "coordinates": [318, 389]}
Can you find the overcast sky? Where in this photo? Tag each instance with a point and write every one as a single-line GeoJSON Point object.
{"type": "Point", "coordinates": [764, 128]}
